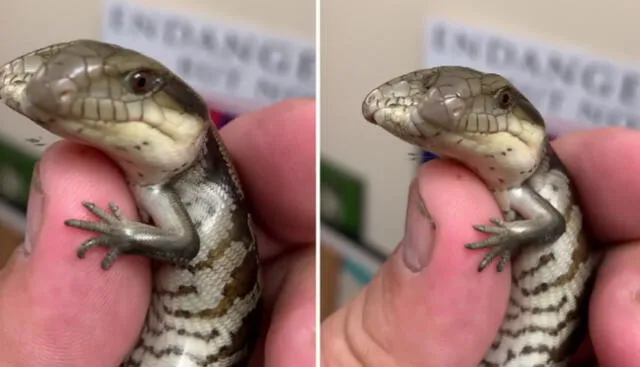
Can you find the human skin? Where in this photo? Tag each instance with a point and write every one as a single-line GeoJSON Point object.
{"type": "Point", "coordinates": [58, 310]}
{"type": "Point", "coordinates": [429, 307]}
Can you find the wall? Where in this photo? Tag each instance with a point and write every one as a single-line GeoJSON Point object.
{"type": "Point", "coordinates": [365, 42]}
{"type": "Point", "coordinates": [28, 24]}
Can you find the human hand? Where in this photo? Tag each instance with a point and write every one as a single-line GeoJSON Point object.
{"type": "Point", "coordinates": [57, 310]}
{"type": "Point", "coordinates": [447, 314]}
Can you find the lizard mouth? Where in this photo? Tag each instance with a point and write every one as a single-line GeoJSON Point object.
{"type": "Point", "coordinates": [383, 110]}
{"type": "Point", "coordinates": [443, 112]}
{"type": "Point", "coordinates": [19, 76]}
{"type": "Point", "coordinates": [371, 106]}
{"type": "Point", "coordinates": [11, 87]}
{"type": "Point", "coordinates": [396, 114]}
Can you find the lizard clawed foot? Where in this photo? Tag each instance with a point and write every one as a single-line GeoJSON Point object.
{"type": "Point", "coordinates": [115, 229]}
{"type": "Point", "coordinates": [505, 239]}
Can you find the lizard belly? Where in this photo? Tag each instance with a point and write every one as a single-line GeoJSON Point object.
{"type": "Point", "coordinates": [204, 314]}
{"type": "Point", "coordinates": [546, 313]}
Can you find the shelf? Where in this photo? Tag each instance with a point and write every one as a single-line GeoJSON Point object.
{"type": "Point", "coordinates": [365, 256]}
{"type": "Point", "coordinates": [11, 217]}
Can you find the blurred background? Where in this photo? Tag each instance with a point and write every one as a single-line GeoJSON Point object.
{"type": "Point", "coordinates": [240, 55]}
{"type": "Point", "coordinates": [577, 62]}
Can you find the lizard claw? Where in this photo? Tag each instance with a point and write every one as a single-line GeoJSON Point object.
{"type": "Point", "coordinates": [502, 243]}
{"type": "Point", "coordinates": [111, 256]}
{"type": "Point", "coordinates": [497, 221]}
{"type": "Point", "coordinates": [503, 253]}
{"type": "Point", "coordinates": [113, 227]}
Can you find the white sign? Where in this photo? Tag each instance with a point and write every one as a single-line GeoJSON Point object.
{"type": "Point", "coordinates": [572, 88]}
{"type": "Point", "coordinates": [246, 66]}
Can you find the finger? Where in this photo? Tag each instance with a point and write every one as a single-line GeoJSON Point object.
{"type": "Point", "coordinates": [58, 310]}
{"type": "Point", "coordinates": [615, 308]}
{"type": "Point", "coordinates": [274, 151]}
{"type": "Point", "coordinates": [607, 175]}
{"type": "Point", "coordinates": [428, 299]}
{"type": "Point", "coordinates": [290, 341]}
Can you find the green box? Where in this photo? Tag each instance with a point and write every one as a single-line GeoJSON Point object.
{"type": "Point", "coordinates": [16, 170]}
{"type": "Point", "coordinates": [341, 199]}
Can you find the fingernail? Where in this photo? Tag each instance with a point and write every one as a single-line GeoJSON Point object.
{"type": "Point", "coordinates": [417, 244]}
{"type": "Point", "coordinates": [35, 207]}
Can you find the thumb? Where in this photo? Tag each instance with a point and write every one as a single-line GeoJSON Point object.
{"type": "Point", "coordinates": [428, 299]}
{"type": "Point", "coordinates": [56, 309]}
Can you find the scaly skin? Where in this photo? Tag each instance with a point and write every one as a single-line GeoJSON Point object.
{"type": "Point", "coordinates": [206, 290]}
{"type": "Point", "coordinates": [482, 121]}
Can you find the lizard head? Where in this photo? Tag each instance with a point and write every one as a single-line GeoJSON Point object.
{"type": "Point", "coordinates": [478, 119]}
{"type": "Point", "coordinates": [118, 100]}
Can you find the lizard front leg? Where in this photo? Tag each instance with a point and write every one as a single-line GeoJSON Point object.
{"type": "Point", "coordinates": [541, 223]}
{"type": "Point", "coordinates": [173, 238]}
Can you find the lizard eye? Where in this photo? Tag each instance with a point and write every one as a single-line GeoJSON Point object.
{"type": "Point", "coordinates": [504, 97]}
{"type": "Point", "coordinates": [143, 81]}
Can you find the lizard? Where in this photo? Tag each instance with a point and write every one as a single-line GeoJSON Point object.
{"type": "Point", "coordinates": [482, 121]}
{"type": "Point", "coordinates": [196, 225]}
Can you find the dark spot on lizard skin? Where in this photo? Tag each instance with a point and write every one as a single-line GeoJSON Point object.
{"type": "Point", "coordinates": [459, 141]}
{"type": "Point", "coordinates": [241, 284]}
{"type": "Point", "coordinates": [186, 289]}
{"type": "Point", "coordinates": [247, 331]}
{"type": "Point", "coordinates": [572, 344]}
{"type": "Point", "coordinates": [555, 188]}
{"type": "Point", "coordinates": [489, 156]}
{"type": "Point", "coordinates": [140, 174]}
{"type": "Point", "coordinates": [509, 149]}
{"type": "Point", "coordinates": [543, 261]}
{"type": "Point", "coordinates": [145, 143]}
{"type": "Point", "coordinates": [138, 147]}
{"type": "Point", "coordinates": [544, 287]}
{"type": "Point", "coordinates": [522, 172]}
{"type": "Point", "coordinates": [501, 180]}
{"type": "Point", "coordinates": [504, 153]}
{"type": "Point", "coordinates": [492, 168]}
{"type": "Point", "coordinates": [80, 130]}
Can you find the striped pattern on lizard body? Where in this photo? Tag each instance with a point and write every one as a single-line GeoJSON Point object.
{"type": "Point", "coordinates": [547, 312]}
{"type": "Point", "coordinates": [482, 121]}
{"type": "Point", "coordinates": [205, 304]}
